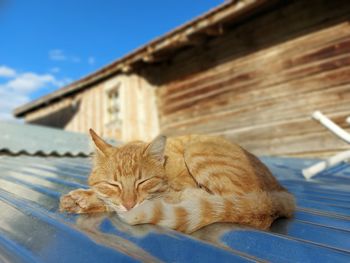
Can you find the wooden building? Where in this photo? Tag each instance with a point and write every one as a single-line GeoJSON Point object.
{"type": "Point", "coordinates": [250, 70]}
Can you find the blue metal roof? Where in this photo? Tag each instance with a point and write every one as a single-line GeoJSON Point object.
{"type": "Point", "coordinates": [32, 230]}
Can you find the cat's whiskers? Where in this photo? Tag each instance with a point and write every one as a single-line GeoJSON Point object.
{"type": "Point", "coordinates": [113, 207]}
{"type": "Point", "coordinates": [153, 197]}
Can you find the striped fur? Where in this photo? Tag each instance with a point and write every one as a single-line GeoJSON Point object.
{"type": "Point", "coordinates": [183, 183]}
{"type": "Point", "coordinates": [198, 209]}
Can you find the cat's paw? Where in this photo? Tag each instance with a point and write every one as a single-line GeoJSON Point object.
{"type": "Point", "coordinates": [127, 217]}
{"type": "Point", "coordinates": [81, 201]}
{"type": "Point", "coordinates": [133, 217]}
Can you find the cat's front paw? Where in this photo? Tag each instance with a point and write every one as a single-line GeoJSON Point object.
{"type": "Point", "coordinates": [133, 217]}
{"type": "Point", "coordinates": [127, 217]}
{"type": "Point", "coordinates": [81, 201]}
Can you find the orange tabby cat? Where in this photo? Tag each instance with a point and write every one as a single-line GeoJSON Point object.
{"type": "Point", "coordinates": [183, 183]}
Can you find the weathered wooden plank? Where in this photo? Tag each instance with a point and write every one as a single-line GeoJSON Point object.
{"type": "Point", "coordinates": [281, 55]}
{"type": "Point", "coordinates": [292, 137]}
{"type": "Point", "coordinates": [261, 89]}
{"type": "Point", "coordinates": [229, 80]}
{"type": "Point", "coordinates": [295, 19]}
{"type": "Point", "coordinates": [266, 66]}
{"type": "Point", "coordinates": [331, 100]}
{"type": "Point", "coordinates": [237, 100]}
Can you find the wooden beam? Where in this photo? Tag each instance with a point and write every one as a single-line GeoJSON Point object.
{"type": "Point", "coordinates": [126, 68]}
{"type": "Point", "coordinates": [196, 39]}
{"type": "Point", "coordinates": [149, 58]}
{"type": "Point", "coordinates": [215, 31]}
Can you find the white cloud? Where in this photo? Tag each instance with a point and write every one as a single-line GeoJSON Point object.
{"type": "Point", "coordinates": [57, 54]}
{"type": "Point", "coordinates": [75, 59]}
{"type": "Point", "coordinates": [9, 101]}
{"type": "Point", "coordinates": [17, 90]}
{"type": "Point", "coordinates": [7, 72]}
{"type": "Point", "coordinates": [55, 70]}
{"type": "Point", "coordinates": [63, 82]}
{"type": "Point", "coordinates": [29, 82]}
{"type": "Point", "coordinates": [91, 60]}
{"type": "Point", "coordinates": [60, 55]}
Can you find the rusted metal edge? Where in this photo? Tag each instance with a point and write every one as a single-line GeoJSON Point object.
{"type": "Point", "coordinates": [178, 37]}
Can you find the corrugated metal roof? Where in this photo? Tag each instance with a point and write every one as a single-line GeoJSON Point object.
{"type": "Point", "coordinates": [32, 230]}
{"type": "Point", "coordinates": [16, 138]}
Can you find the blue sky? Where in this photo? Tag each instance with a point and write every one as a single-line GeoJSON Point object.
{"type": "Point", "coordinates": [47, 44]}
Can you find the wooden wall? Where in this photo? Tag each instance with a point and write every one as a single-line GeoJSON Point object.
{"type": "Point", "coordinates": [77, 113]}
{"type": "Point", "coordinates": [139, 110]}
{"type": "Point", "coordinates": [259, 83]}
{"type": "Point", "coordinates": [88, 109]}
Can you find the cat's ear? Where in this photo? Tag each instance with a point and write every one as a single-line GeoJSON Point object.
{"type": "Point", "coordinates": [156, 148]}
{"type": "Point", "coordinates": [100, 144]}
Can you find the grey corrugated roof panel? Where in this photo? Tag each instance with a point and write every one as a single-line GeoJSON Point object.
{"type": "Point", "coordinates": [32, 230]}
{"type": "Point", "coordinates": [16, 138]}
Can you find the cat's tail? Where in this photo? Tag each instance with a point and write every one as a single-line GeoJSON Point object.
{"type": "Point", "coordinates": [259, 209]}
{"type": "Point", "coordinates": [196, 210]}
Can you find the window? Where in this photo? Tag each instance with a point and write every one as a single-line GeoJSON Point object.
{"type": "Point", "coordinates": [113, 106]}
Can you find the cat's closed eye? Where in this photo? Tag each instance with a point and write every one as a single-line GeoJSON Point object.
{"type": "Point", "coordinates": [149, 185]}
{"type": "Point", "coordinates": [108, 189]}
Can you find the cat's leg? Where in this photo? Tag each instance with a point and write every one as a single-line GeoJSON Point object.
{"type": "Point", "coordinates": [223, 174]}
{"type": "Point", "coordinates": [216, 168]}
{"type": "Point", "coordinates": [81, 201]}
{"type": "Point", "coordinates": [145, 213]}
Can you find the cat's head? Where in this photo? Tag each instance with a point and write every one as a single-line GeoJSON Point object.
{"type": "Point", "coordinates": [125, 176]}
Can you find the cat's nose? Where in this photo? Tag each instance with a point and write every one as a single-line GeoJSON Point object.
{"type": "Point", "coordinates": [129, 204]}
